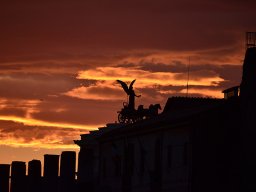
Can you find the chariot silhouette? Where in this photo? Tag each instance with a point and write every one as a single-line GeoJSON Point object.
{"type": "Point", "coordinates": [128, 113]}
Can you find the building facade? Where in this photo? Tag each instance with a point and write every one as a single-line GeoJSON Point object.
{"type": "Point", "coordinates": [194, 145]}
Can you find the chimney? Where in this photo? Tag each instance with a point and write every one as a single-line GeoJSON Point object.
{"type": "Point", "coordinates": [67, 171]}
{"type": "Point", "coordinates": [18, 176]}
{"type": "Point", "coordinates": [68, 165]}
{"type": "Point", "coordinates": [51, 171]}
{"type": "Point", "coordinates": [34, 176]}
{"type": "Point", "coordinates": [4, 177]}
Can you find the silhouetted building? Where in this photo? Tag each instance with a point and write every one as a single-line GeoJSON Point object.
{"type": "Point", "coordinates": [18, 176]}
{"type": "Point", "coordinates": [194, 145]}
{"type": "Point", "coordinates": [231, 92]}
{"type": "Point", "coordinates": [34, 168]}
{"type": "Point", "coordinates": [4, 177]}
{"type": "Point", "coordinates": [51, 172]}
{"type": "Point", "coordinates": [51, 166]}
{"type": "Point", "coordinates": [248, 133]}
{"type": "Point", "coordinates": [34, 176]}
{"type": "Point", "coordinates": [88, 158]}
{"type": "Point", "coordinates": [67, 171]}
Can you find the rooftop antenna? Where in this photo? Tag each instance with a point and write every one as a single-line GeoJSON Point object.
{"type": "Point", "coordinates": [188, 68]}
{"type": "Point", "coordinates": [250, 39]}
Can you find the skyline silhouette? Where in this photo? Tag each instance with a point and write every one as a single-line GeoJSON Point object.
{"type": "Point", "coordinates": [60, 61]}
{"type": "Point", "coordinates": [193, 144]}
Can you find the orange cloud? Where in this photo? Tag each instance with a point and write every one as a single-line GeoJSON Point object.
{"type": "Point", "coordinates": [102, 91]}
{"type": "Point", "coordinates": [204, 92]}
{"type": "Point", "coordinates": [108, 89]}
{"type": "Point", "coordinates": [145, 78]}
{"type": "Point", "coordinates": [17, 134]}
{"type": "Point", "coordinates": [35, 122]}
{"type": "Point", "coordinates": [50, 143]}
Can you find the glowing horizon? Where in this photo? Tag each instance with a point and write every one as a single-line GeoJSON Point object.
{"type": "Point", "coordinates": [35, 122]}
{"type": "Point", "coordinates": [60, 62]}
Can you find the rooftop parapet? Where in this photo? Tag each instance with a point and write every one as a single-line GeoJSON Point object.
{"type": "Point", "coordinates": [231, 92]}
{"type": "Point", "coordinates": [250, 39]}
{"type": "Point", "coordinates": [180, 103]}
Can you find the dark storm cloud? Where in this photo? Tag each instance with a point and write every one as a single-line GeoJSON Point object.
{"type": "Point", "coordinates": [74, 27]}
{"type": "Point", "coordinates": [74, 110]}
{"type": "Point", "coordinates": [229, 72]}
{"type": "Point", "coordinates": [44, 44]}
{"type": "Point", "coordinates": [161, 93]}
{"type": "Point", "coordinates": [35, 86]}
{"type": "Point", "coordinates": [66, 67]}
{"type": "Point", "coordinates": [10, 110]}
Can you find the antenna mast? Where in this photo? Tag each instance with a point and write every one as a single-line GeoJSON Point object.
{"type": "Point", "coordinates": [188, 68]}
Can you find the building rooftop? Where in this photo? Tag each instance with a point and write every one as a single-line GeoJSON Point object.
{"type": "Point", "coordinates": [178, 110]}
{"type": "Point", "coordinates": [181, 103]}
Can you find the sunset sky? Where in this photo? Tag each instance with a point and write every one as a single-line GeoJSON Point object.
{"type": "Point", "coordinates": [59, 61]}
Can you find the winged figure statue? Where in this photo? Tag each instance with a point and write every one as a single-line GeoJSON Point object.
{"type": "Point", "coordinates": [130, 92]}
